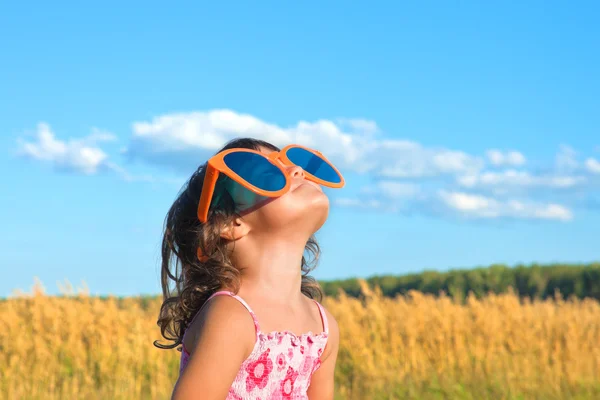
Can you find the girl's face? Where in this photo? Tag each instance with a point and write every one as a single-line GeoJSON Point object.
{"type": "Point", "coordinates": [303, 209]}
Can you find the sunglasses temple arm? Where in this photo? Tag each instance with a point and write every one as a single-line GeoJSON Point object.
{"type": "Point", "coordinates": [208, 189]}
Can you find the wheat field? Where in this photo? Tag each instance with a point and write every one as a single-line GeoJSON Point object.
{"type": "Point", "coordinates": [78, 346]}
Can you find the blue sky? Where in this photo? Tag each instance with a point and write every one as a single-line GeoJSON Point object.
{"type": "Point", "coordinates": [468, 132]}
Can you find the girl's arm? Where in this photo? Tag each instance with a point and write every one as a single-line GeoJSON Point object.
{"type": "Point", "coordinates": [225, 336]}
{"type": "Point", "coordinates": [322, 382]}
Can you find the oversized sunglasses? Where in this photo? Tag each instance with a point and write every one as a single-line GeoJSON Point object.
{"type": "Point", "coordinates": [265, 174]}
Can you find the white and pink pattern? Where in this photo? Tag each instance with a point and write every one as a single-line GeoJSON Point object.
{"type": "Point", "coordinates": [280, 365]}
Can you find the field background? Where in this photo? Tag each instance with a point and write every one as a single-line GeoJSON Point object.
{"type": "Point", "coordinates": [414, 345]}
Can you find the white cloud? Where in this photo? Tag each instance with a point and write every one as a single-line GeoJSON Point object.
{"type": "Point", "coordinates": [448, 161]}
{"type": "Point", "coordinates": [357, 203]}
{"type": "Point", "coordinates": [477, 206]}
{"type": "Point", "coordinates": [515, 178]}
{"type": "Point", "coordinates": [468, 203]}
{"type": "Point", "coordinates": [181, 140]}
{"type": "Point", "coordinates": [593, 165]}
{"type": "Point", "coordinates": [128, 177]}
{"type": "Point", "coordinates": [386, 196]}
{"type": "Point", "coordinates": [553, 211]}
{"type": "Point", "coordinates": [363, 126]}
{"type": "Point", "coordinates": [176, 139]}
{"type": "Point", "coordinates": [510, 158]}
{"type": "Point", "coordinates": [393, 189]}
{"type": "Point", "coordinates": [406, 159]}
{"type": "Point", "coordinates": [402, 168]}
{"type": "Point", "coordinates": [80, 155]}
{"type": "Point", "coordinates": [566, 159]}
{"type": "Point", "coordinates": [203, 130]}
{"type": "Point", "coordinates": [99, 135]}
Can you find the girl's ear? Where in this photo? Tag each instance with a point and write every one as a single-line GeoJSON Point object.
{"type": "Point", "coordinates": [236, 230]}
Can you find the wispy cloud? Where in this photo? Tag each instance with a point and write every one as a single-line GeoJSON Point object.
{"type": "Point", "coordinates": [393, 189]}
{"type": "Point", "coordinates": [406, 159]}
{"type": "Point", "coordinates": [477, 206]}
{"type": "Point", "coordinates": [357, 203]}
{"type": "Point", "coordinates": [519, 178]}
{"type": "Point", "coordinates": [566, 159]}
{"type": "Point", "coordinates": [178, 140]}
{"type": "Point", "coordinates": [79, 155]}
{"type": "Point", "coordinates": [357, 125]}
{"type": "Point", "coordinates": [406, 176]}
{"type": "Point", "coordinates": [592, 165]}
{"type": "Point", "coordinates": [510, 158]}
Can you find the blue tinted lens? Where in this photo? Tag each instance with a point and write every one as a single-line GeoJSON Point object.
{"type": "Point", "coordinates": [256, 170]}
{"type": "Point", "coordinates": [242, 197]}
{"type": "Point", "coordinates": [313, 164]}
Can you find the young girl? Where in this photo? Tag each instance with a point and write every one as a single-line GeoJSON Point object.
{"type": "Point", "coordinates": [238, 245]}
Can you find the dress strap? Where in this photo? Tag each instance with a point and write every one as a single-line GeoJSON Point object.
{"type": "Point", "coordinates": [323, 317]}
{"type": "Point", "coordinates": [238, 298]}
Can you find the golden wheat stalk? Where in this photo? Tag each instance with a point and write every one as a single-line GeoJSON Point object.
{"type": "Point", "coordinates": [418, 346]}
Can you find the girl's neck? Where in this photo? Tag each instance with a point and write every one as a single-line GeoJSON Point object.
{"type": "Point", "coordinates": [271, 268]}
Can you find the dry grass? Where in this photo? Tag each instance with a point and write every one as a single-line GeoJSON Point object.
{"type": "Point", "coordinates": [82, 347]}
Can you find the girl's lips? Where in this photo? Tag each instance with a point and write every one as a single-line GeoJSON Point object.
{"type": "Point", "coordinates": [309, 183]}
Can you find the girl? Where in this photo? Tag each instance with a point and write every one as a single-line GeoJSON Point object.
{"type": "Point", "coordinates": [239, 245]}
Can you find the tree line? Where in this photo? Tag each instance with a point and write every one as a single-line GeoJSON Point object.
{"type": "Point", "coordinates": [533, 281]}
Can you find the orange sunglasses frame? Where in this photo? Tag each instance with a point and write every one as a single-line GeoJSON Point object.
{"type": "Point", "coordinates": [216, 165]}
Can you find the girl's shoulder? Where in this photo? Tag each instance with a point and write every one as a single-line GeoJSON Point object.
{"type": "Point", "coordinates": [225, 314]}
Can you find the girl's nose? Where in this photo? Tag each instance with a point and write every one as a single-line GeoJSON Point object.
{"type": "Point", "coordinates": [296, 172]}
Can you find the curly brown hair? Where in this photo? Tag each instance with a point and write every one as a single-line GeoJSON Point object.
{"type": "Point", "coordinates": [188, 282]}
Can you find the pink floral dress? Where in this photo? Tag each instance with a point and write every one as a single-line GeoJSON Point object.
{"type": "Point", "coordinates": [280, 365]}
